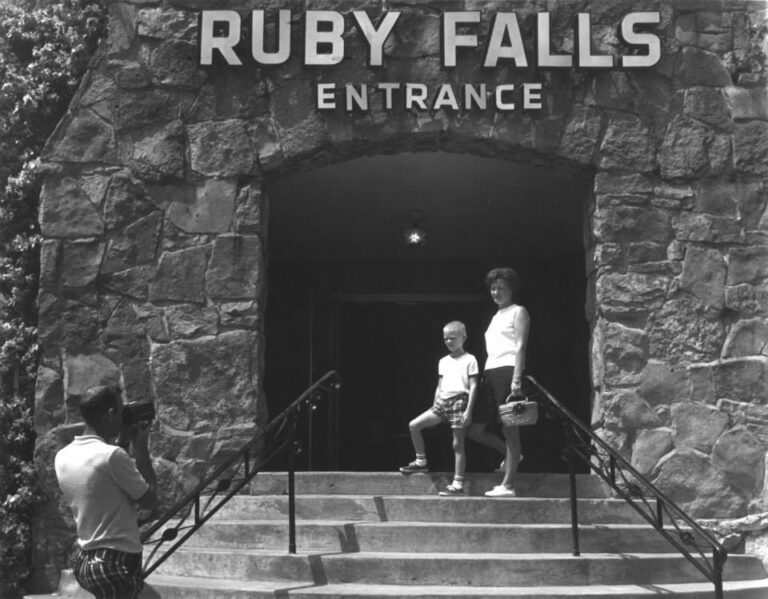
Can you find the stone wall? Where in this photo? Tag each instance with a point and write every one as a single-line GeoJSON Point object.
{"type": "Point", "coordinates": [152, 213]}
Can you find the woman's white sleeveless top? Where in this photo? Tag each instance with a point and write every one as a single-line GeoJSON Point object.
{"type": "Point", "coordinates": [502, 340]}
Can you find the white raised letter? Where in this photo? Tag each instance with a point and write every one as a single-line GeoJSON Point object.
{"type": "Point", "coordinates": [586, 58]}
{"type": "Point", "coordinates": [283, 34]}
{"type": "Point", "coordinates": [209, 42]}
{"type": "Point", "coordinates": [546, 59]}
{"type": "Point", "coordinates": [415, 93]}
{"type": "Point", "coordinates": [505, 22]}
{"type": "Point", "coordinates": [452, 40]}
{"type": "Point", "coordinates": [326, 96]}
{"type": "Point", "coordinates": [375, 37]}
{"type": "Point", "coordinates": [531, 96]}
{"type": "Point", "coordinates": [500, 104]}
{"type": "Point", "coordinates": [388, 88]}
{"type": "Point", "coordinates": [445, 98]}
{"type": "Point", "coordinates": [631, 37]}
{"type": "Point", "coordinates": [354, 97]}
{"type": "Point", "coordinates": [313, 38]}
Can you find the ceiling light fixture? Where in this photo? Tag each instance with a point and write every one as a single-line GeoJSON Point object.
{"type": "Point", "coordinates": [415, 234]}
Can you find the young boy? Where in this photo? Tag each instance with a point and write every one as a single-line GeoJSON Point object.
{"type": "Point", "coordinates": [454, 399]}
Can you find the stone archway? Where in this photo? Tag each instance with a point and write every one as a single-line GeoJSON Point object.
{"type": "Point", "coordinates": [152, 215]}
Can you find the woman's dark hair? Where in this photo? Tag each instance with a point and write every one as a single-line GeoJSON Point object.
{"type": "Point", "coordinates": [97, 402]}
{"type": "Point", "coordinates": [506, 274]}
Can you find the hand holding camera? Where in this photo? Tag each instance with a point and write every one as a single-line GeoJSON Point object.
{"type": "Point", "coordinates": [137, 418]}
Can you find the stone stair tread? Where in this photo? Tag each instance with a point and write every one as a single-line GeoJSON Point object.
{"type": "Point", "coordinates": [271, 588]}
{"type": "Point", "coordinates": [432, 525]}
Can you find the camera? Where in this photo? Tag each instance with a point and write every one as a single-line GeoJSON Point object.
{"type": "Point", "coordinates": [136, 412]}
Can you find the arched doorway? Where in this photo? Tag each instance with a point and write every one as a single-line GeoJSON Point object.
{"type": "Point", "coordinates": [346, 292]}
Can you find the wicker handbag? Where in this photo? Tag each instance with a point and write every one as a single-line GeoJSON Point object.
{"type": "Point", "coordinates": [519, 413]}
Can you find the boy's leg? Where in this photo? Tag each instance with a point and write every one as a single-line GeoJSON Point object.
{"type": "Point", "coordinates": [460, 464]}
{"type": "Point", "coordinates": [460, 455]}
{"type": "Point", "coordinates": [415, 426]}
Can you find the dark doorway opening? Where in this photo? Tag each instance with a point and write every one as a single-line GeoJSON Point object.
{"type": "Point", "coordinates": [345, 293]}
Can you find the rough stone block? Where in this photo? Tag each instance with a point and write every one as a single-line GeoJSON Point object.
{"type": "Point", "coordinates": [740, 455]}
{"type": "Point", "coordinates": [612, 183]}
{"type": "Point", "coordinates": [174, 63]}
{"type": "Point", "coordinates": [231, 95]}
{"type": "Point", "coordinates": [704, 272]}
{"type": "Point", "coordinates": [186, 321]}
{"type": "Point", "coordinates": [222, 148]}
{"type": "Point", "coordinates": [685, 330]}
{"type": "Point", "coordinates": [244, 315]}
{"type": "Point", "coordinates": [122, 27]}
{"type": "Point", "coordinates": [236, 267]}
{"type": "Point", "coordinates": [126, 201]}
{"type": "Point", "coordinates": [662, 384]}
{"type": "Point", "coordinates": [690, 226]}
{"type": "Point", "coordinates": [205, 208]}
{"type": "Point", "coordinates": [415, 35]}
{"type": "Point", "coordinates": [203, 384]}
{"type": "Point", "coordinates": [49, 399]}
{"type": "Point", "coordinates": [750, 147]}
{"type": "Point", "coordinates": [686, 149]}
{"type": "Point", "coordinates": [747, 300]}
{"type": "Point", "coordinates": [80, 262]}
{"type": "Point", "coordinates": [180, 276]}
{"type": "Point", "coordinates": [627, 144]}
{"type": "Point", "coordinates": [633, 412]}
{"type": "Point", "coordinates": [164, 23]}
{"type": "Point", "coordinates": [87, 139]}
{"type": "Point", "coordinates": [687, 477]}
{"type": "Point", "coordinates": [136, 245]}
{"type": "Point", "coordinates": [650, 446]}
{"type": "Point", "coordinates": [747, 103]}
{"type": "Point", "coordinates": [631, 291]}
{"type": "Point", "coordinates": [50, 263]}
{"type": "Point", "coordinates": [83, 371]}
{"type": "Point", "coordinates": [624, 353]}
{"type": "Point", "coordinates": [699, 67]}
{"type": "Point", "coordinates": [581, 135]}
{"type": "Point", "coordinates": [747, 338]}
{"type": "Point", "coordinates": [132, 282]}
{"type": "Point", "coordinates": [159, 155]}
{"type": "Point", "coordinates": [742, 379]}
{"type": "Point", "coordinates": [708, 105]}
{"type": "Point", "coordinates": [697, 425]}
{"type": "Point", "coordinates": [747, 265]}
{"type": "Point", "coordinates": [717, 198]}
{"type": "Point", "coordinates": [134, 110]}
{"type": "Point", "coordinates": [129, 325]}
{"type": "Point", "coordinates": [67, 211]}
{"type": "Point", "coordinates": [627, 223]}
{"type": "Point", "coordinates": [66, 323]}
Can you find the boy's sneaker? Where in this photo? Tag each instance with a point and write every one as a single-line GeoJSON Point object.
{"type": "Point", "coordinates": [451, 491]}
{"type": "Point", "coordinates": [414, 466]}
{"type": "Point", "coordinates": [501, 491]}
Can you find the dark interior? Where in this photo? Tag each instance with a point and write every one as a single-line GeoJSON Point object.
{"type": "Point", "coordinates": [345, 292]}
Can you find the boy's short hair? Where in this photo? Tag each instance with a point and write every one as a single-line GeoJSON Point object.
{"type": "Point", "coordinates": [456, 325]}
{"type": "Point", "coordinates": [97, 402]}
{"type": "Point", "coordinates": [506, 274]}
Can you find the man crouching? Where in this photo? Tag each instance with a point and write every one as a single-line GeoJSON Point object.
{"type": "Point", "coordinates": [103, 485]}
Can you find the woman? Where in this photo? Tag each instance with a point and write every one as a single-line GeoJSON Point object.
{"type": "Point", "coordinates": [505, 342]}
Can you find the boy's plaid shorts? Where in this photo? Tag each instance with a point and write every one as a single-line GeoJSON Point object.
{"type": "Point", "coordinates": [109, 574]}
{"type": "Point", "coordinates": [451, 408]}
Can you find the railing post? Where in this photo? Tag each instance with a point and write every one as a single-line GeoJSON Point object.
{"type": "Point", "coordinates": [292, 485]}
{"type": "Point", "coordinates": [572, 479]}
{"type": "Point", "coordinates": [718, 560]}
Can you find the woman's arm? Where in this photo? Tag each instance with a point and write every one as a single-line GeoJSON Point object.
{"type": "Point", "coordinates": [466, 419]}
{"type": "Point", "coordinates": [522, 324]}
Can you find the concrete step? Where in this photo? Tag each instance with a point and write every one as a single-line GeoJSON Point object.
{"type": "Point", "coordinates": [429, 508]}
{"type": "Point", "coordinates": [431, 537]}
{"type": "Point", "coordinates": [486, 569]}
{"type": "Point", "coordinates": [394, 483]}
{"type": "Point", "coordinates": [195, 587]}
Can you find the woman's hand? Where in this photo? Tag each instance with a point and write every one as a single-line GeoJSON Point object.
{"type": "Point", "coordinates": [466, 419]}
{"type": "Point", "coordinates": [516, 389]}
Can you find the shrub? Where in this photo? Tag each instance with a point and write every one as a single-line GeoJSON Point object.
{"type": "Point", "coordinates": [43, 54]}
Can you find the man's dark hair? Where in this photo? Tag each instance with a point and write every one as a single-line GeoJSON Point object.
{"type": "Point", "coordinates": [506, 274]}
{"type": "Point", "coordinates": [97, 402]}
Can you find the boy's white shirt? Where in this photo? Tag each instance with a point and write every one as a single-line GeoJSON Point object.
{"type": "Point", "coordinates": [455, 373]}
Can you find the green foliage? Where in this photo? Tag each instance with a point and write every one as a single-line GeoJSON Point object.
{"type": "Point", "coordinates": [18, 490]}
{"type": "Point", "coordinates": [43, 55]}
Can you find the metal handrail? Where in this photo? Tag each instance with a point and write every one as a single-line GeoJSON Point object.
{"type": "Point", "coordinates": [234, 474]}
{"type": "Point", "coordinates": [693, 542]}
